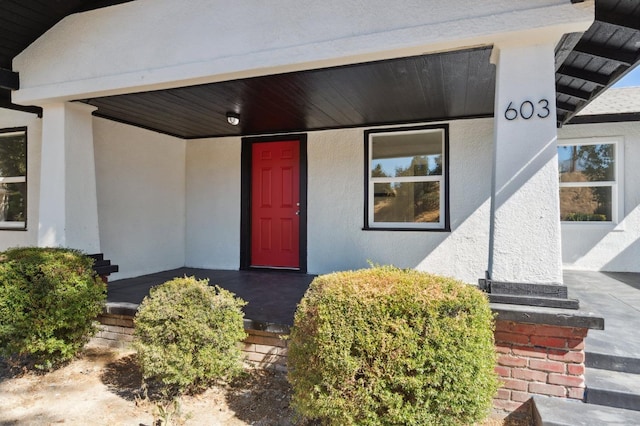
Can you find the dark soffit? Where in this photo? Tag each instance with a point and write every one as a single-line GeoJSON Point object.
{"type": "Point", "coordinates": [597, 59]}
{"type": "Point", "coordinates": [421, 88]}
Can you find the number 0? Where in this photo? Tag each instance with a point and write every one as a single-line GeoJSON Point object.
{"type": "Point", "coordinates": [524, 113]}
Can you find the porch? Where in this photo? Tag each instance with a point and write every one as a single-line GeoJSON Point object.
{"type": "Point", "coordinates": [271, 296]}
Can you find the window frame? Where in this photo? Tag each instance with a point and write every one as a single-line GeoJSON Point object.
{"type": "Point", "coordinates": [8, 225]}
{"type": "Point", "coordinates": [617, 185]}
{"type": "Point", "coordinates": [444, 223]}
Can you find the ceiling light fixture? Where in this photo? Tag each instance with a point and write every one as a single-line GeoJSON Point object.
{"type": "Point", "coordinates": [233, 118]}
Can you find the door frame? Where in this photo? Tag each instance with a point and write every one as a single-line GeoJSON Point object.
{"type": "Point", "coordinates": [245, 197]}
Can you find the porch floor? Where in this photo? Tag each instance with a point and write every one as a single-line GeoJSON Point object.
{"type": "Point", "coordinates": [271, 296]}
{"type": "Point", "coordinates": [615, 296]}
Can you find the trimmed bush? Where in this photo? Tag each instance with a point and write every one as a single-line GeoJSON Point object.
{"type": "Point", "coordinates": [187, 335]}
{"type": "Point", "coordinates": [385, 346]}
{"type": "Point", "coordinates": [49, 298]}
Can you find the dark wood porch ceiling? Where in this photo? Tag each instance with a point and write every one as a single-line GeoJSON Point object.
{"type": "Point", "coordinates": [425, 88]}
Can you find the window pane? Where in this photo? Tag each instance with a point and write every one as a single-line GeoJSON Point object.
{"type": "Point", "coordinates": [587, 203]}
{"type": "Point", "coordinates": [586, 163]}
{"type": "Point", "coordinates": [12, 199]}
{"type": "Point", "coordinates": [407, 202]}
{"type": "Point", "coordinates": [413, 154]}
{"type": "Point", "coordinates": [13, 154]}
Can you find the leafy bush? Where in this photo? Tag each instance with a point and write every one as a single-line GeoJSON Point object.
{"type": "Point", "coordinates": [392, 347]}
{"type": "Point", "coordinates": [187, 335]}
{"type": "Point", "coordinates": [49, 298]}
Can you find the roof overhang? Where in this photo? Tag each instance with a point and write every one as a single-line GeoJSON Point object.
{"type": "Point", "coordinates": [431, 87]}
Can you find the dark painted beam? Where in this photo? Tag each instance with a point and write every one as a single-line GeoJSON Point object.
{"type": "Point", "coordinates": [574, 93]}
{"type": "Point", "coordinates": [593, 77]}
{"type": "Point", "coordinates": [566, 107]}
{"type": "Point", "coordinates": [31, 109]}
{"type": "Point", "coordinates": [624, 21]}
{"type": "Point", "coordinates": [599, 51]}
{"type": "Point", "coordinates": [9, 79]}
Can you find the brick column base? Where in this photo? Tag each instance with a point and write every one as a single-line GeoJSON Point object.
{"type": "Point", "coordinates": [538, 359]}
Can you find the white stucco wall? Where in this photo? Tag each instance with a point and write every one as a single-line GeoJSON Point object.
{"type": "Point", "coordinates": [10, 119]}
{"type": "Point", "coordinates": [608, 247]}
{"type": "Point", "coordinates": [141, 198]}
{"type": "Point", "coordinates": [213, 203]}
{"type": "Point", "coordinates": [336, 240]}
{"type": "Point", "coordinates": [153, 44]}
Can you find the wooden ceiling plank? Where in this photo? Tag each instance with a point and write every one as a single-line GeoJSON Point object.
{"type": "Point", "coordinates": [612, 18]}
{"type": "Point", "coordinates": [595, 78]}
{"type": "Point", "coordinates": [600, 51]}
{"type": "Point", "coordinates": [564, 106]}
{"type": "Point", "coordinates": [574, 93]}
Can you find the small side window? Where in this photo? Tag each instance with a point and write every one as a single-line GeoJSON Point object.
{"type": "Point", "coordinates": [588, 179]}
{"type": "Point", "coordinates": [13, 178]}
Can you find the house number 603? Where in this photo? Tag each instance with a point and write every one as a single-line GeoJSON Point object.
{"type": "Point", "coordinates": [527, 110]}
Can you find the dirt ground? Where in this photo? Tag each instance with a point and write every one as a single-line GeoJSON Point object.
{"type": "Point", "coordinates": [103, 387]}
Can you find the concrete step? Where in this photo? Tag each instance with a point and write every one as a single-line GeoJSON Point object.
{"type": "Point", "coordinates": [612, 388]}
{"type": "Point", "coordinates": [607, 361]}
{"type": "Point", "coordinates": [567, 412]}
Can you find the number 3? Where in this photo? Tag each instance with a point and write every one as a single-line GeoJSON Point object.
{"type": "Point", "coordinates": [544, 107]}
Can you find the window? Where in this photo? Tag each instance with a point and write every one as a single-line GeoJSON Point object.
{"type": "Point", "coordinates": [407, 178]}
{"type": "Point", "coordinates": [13, 178]}
{"type": "Point", "coordinates": [589, 171]}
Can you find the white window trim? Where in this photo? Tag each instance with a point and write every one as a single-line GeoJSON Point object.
{"type": "Point", "coordinates": [11, 225]}
{"type": "Point", "coordinates": [372, 224]}
{"type": "Point", "coordinates": [617, 186]}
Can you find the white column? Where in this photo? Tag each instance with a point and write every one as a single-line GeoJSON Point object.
{"type": "Point", "coordinates": [525, 242]}
{"type": "Point", "coordinates": [68, 203]}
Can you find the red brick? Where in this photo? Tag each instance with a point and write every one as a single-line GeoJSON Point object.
{"type": "Point", "coordinates": [503, 349]}
{"type": "Point", "coordinates": [551, 331]}
{"type": "Point", "coordinates": [575, 369]}
{"type": "Point", "coordinates": [530, 352]}
{"type": "Point", "coordinates": [575, 393]}
{"type": "Point", "coordinates": [503, 326]}
{"type": "Point", "coordinates": [502, 404]}
{"type": "Point", "coordinates": [519, 385]}
{"type": "Point", "coordinates": [549, 342]}
{"type": "Point", "coordinates": [511, 361]}
{"type": "Point", "coordinates": [544, 389]}
{"type": "Point", "coordinates": [520, 396]}
{"type": "Point", "coordinates": [530, 375]}
{"type": "Point", "coordinates": [528, 329]}
{"type": "Point", "coordinates": [567, 356]}
{"type": "Point", "coordinates": [577, 344]}
{"type": "Point", "coordinates": [503, 371]}
{"type": "Point", "coordinates": [519, 339]}
{"type": "Point", "coordinates": [564, 380]}
{"type": "Point", "coordinates": [503, 394]}
{"type": "Point", "coordinates": [543, 365]}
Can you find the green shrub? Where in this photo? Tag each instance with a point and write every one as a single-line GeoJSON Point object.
{"type": "Point", "coordinates": [49, 298]}
{"type": "Point", "coordinates": [188, 334]}
{"type": "Point", "coordinates": [386, 346]}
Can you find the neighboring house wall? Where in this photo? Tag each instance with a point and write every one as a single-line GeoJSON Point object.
{"type": "Point", "coordinates": [10, 119]}
{"type": "Point", "coordinates": [594, 246]}
{"type": "Point", "coordinates": [336, 240]}
{"type": "Point", "coordinates": [140, 179]}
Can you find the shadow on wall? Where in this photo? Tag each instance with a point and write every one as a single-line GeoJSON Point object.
{"type": "Point", "coordinates": [628, 260]}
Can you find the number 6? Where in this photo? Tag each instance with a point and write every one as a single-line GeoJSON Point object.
{"type": "Point", "coordinates": [513, 111]}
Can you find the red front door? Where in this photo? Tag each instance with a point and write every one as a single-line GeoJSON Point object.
{"type": "Point", "coordinates": [275, 204]}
